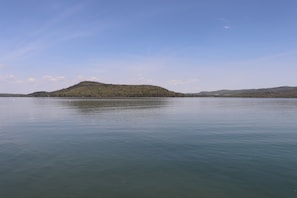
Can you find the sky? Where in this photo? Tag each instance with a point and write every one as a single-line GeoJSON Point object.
{"type": "Point", "coordinates": [182, 45]}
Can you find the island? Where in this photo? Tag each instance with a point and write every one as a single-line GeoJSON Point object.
{"type": "Point", "coordinates": [101, 90]}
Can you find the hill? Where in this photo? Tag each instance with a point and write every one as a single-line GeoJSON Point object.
{"type": "Point", "coordinates": [277, 92]}
{"type": "Point", "coordinates": [12, 95]}
{"type": "Point", "coordinates": [96, 89]}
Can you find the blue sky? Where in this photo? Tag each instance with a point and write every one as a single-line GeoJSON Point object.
{"type": "Point", "coordinates": [182, 45]}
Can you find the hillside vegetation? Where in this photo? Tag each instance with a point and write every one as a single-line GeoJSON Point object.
{"type": "Point", "coordinates": [12, 95]}
{"type": "Point", "coordinates": [95, 89]}
{"type": "Point", "coordinates": [277, 92]}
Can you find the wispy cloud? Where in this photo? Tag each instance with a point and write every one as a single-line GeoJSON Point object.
{"type": "Point", "coordinates": [227, 27]}
{"type": "Point", "coordinates": [27, 84]}
{"type": "Point", "coordinates": [45, 36]}
{"type": "Point", "coordinates": [7, 77]}
{"type": "Point", "coordinates": [62, 16]}
{"type": "Point", "coordinates": [23, 50]}
{"type": "Point", "coordinates": [31, 80]}
{"type": "Point", "coordinates": [225, 23]}
{"type": "Point", "coordinates": [53, 78]}
{"type": "Point", "coordinates": [10, 78]}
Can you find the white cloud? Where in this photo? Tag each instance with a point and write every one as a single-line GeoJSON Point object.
{"type": "Point", "coordinates": [87, 78]}
{"type": "Point", "coordinates": [53, 78]}
{"type": "Point", "coordinates": [14, 79]}
{"type": "Point", "coordinates": [31, 80]}
{"type": "Point", "coordinates": [225, 23]}
{"type": "Point", "coordinates": [7, 77]}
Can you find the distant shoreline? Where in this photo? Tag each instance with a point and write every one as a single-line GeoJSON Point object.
{"type": "Point", "coordinates": [93, 90]}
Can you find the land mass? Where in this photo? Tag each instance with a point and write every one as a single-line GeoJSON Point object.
{"type": "Point", "coordinates": [12, 95]}
{"type": "Point", "coordinates": [276, 92]}
{"type": "Point", "coordinates": [100, 90]}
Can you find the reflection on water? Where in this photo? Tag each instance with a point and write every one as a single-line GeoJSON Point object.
{"type": "Point", "coordinates": [95, 105]}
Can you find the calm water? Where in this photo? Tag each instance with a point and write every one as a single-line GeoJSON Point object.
{"type": "Point", "coordinates": [166, 147]}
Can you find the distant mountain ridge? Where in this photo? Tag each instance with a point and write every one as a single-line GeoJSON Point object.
{"type": "Point", "coordinates": [276, 92]}
{"type": "Point", "coordinates": [12, 95]}
{"type": "Point", "coordinates": [97, 89]}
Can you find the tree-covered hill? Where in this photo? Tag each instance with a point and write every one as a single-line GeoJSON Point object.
{"type": "Point", "coordinates": [277, 92]}
{"type": "Point", "coordinates": [96, 89]}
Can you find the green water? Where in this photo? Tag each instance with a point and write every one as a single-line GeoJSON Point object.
{"type": "Point", "coordinates": [151, 147]}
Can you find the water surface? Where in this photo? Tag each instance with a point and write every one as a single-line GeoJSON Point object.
{"type": "Point", "coordinates": [149, 147]}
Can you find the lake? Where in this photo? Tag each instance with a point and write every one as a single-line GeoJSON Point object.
{"type": "Point", "coordinates": [148, 147]}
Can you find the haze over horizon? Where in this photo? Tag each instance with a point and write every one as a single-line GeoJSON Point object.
{"type": "Point", "coordinates": [184, 46]}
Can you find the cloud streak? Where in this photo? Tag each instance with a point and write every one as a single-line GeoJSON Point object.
{"type": "Point", "coordinates": [49, 34]}
{"type": "Point", "coordinates": [64, 15]}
